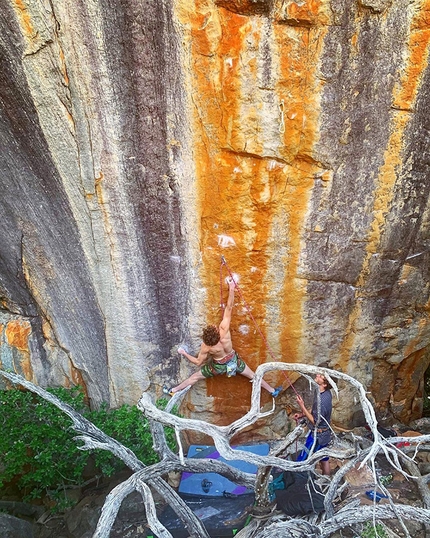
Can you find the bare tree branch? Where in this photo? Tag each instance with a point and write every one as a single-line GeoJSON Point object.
{"type": "Point", "coordinates": [93, 437]}
{"type": "Point", "coordinates": [353, 451]}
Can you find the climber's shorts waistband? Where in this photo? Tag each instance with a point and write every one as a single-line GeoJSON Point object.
{"type": "Point", "coordinates": [214, 368]}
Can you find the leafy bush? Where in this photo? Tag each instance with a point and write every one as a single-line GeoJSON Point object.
{"type": "Point", "coordinates": [373, 531]}
{"type": "Point", "coordinates": [130, 428]}
{"type": "Point", "coordinates": [37, 450]}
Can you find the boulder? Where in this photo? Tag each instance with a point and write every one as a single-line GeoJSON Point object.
{"type": "Point", "coordinates": [13, 527]}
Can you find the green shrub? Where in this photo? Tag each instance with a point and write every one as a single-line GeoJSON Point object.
{"type": "Point", "coordinates": [130, 428]}
{"type": "Point", "coordinates": [37, 450]}
{"type": "Point", "coordinates": [373, 531]}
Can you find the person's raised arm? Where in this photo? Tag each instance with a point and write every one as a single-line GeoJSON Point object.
{"type": "Point", "coordinates": [306, 412]}
{"type": "Point", "coordinates": [225, 323]}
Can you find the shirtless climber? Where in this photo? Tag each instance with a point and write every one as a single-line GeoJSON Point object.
{"type": "Point", "coordinates": [217, 355]}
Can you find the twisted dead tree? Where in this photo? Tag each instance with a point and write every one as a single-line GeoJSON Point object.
{"type": "Point", "coordinates": [352, 453]}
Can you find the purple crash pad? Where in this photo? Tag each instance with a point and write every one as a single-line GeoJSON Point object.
{"type": "Point", "coordinates": [213, 484]}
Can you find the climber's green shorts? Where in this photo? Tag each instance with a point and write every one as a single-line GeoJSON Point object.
{"type": "Point", "coordinates": [233, 366]}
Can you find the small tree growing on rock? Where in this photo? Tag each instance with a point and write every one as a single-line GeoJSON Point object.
{"type": "Point", "coordinates": [354, 452]}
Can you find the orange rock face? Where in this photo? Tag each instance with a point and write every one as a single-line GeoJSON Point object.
{"type": "Point", "coordinates": [255, 107]}
{"type": "Point", "coordinates": [17, 341]}
{"type": "Point", "coordinates": [17, 333]}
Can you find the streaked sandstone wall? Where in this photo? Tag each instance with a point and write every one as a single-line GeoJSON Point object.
{"type": "Point", "coordinates": [144, 140]}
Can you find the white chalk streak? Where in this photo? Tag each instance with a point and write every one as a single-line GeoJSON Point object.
{"type": "Point", "coordinates": [226, 241]}
{"type": "Point", "coordinates": [235, 276]}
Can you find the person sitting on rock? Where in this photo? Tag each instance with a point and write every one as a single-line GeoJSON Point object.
{"type": "Point", "coordinates": [217, 356]}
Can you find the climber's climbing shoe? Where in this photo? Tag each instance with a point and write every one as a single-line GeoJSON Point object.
{"type": "Point", "coordinates": [167, 391]}
{"type": "Point", "coordinates": [276, 391]}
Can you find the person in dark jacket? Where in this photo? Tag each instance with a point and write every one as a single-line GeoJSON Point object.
{"type": "Point", "coordinates": [319, 420]}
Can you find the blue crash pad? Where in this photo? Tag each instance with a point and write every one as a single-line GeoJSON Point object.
{"type": "Point", "coordinates": [213, 484]}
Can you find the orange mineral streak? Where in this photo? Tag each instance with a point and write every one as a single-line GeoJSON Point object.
{"type": "Point", "coordinates": [229, 180]}
{"type": "Point", "coordinates": [300, 88]}
{"type": "Point", "coordinates": [101, 196]}
{"type": "Point", "coordinates": [418, 48]}
{"type": "Point", "coordinates": [17, 334]}
{"type": "Point", "coordinates": [76, 380]}
{"type": "Point", "coordinates": [404, 99]}
{"type": "Point", "coordinates": [406, 92]}
{"type": "Point", "coordinates": [24, 18]}
{"type": "Point", "coordinates": [309, 12]}
{"type": "Point", "coordinates": [248, 177]}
